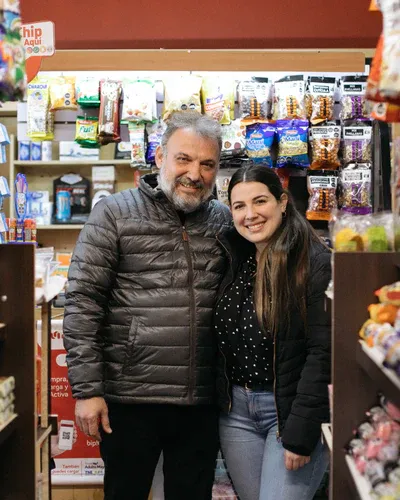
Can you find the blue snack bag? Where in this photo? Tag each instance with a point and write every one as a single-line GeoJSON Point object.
{"type": "Point", "coordinates": [259, 140]}
{"type": "Point", "coordinates": [292, 143]}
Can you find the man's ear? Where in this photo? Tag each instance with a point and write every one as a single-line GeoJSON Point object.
{"type": "Point", "coordinates": [159, 156]}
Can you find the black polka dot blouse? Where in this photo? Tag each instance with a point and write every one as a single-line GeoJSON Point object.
{"type": "Point", "coordinates": [248, 352]}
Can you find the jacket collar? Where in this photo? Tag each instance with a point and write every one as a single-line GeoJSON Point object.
{"type": "Point", "coordinates": [238, 247]}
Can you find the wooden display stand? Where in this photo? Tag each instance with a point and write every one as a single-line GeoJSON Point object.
{"type": "Point", "coordinates": [25, 443]}
{"type": "Point", "coordinates": [357, 378]}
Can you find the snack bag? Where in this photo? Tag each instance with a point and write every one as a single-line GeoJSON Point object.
{"type": "Point", "coordinates": [289, 99]}
{"type": "Point", "coordinates": [40, 119]}
{"type": "Point", "coordinates": [137, 140]}
{"type": "Point", "coordinates": [292, 143]}
{"type": "Point", "coordinates": [389, 85]}
{"type": "Point", "coordinates": [139, 101]}
{"type": "Point", "coordinates": [87, 132]}
{"type": "Point", "coordinates": [259, 139]}
{"type": "Point", "coordinates": [109, 126]}
{"type": "Point", "coordinates": [322, 188]}
{"type": "Point", "coordinates": [88, 92]}
{"type": "Point", "coordinates": [182, 94]}
{"type": "Point", "coordinates": [357, 142]}
{"type": "Point", "coordinates": [354, 106]}
{"type": "Point", "coordinates": [254, 98]}
{"type": "Point", "coordinates": [355, 189]}
{"type": "Point", "coordinates": [218, 99]}
{"type": "Point", "coordinates": [62, 93]}
{"type": "Point", "coordinates": [233, 139]}
{"type": "Point", "coordinates": [325, 145]}
{"type": "Point", "coordinates": [222, 183]}
{"type": "Point", "coordinates": [319, 99]}
{"type": "Point", "coordinates": [154, 135]}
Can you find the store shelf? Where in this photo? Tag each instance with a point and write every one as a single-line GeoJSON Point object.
{"type": "Point", "coordinates": [52, 289]}
{"type": "Point", "coordinates": [54, 227]}
{"type": "Point", "coordinates": [67, 480]}
{"type": "Point", "coordinates": [371, 361]}
{"type": "Point", "coordinates": [42, 435]}
{"type": "Point", "coordinates": [7, 428]}
{"type": "Point", "coordinates": [327, 435]}
{"type": "Point", "coordinates": [360, 482]}
{"type": "Point", "coordinates": [58, 163]}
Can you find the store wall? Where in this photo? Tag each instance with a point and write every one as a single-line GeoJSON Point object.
{"type": "Point", "coordinates": [141, 24]}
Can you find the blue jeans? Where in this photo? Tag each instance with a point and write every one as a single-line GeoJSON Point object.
{"type": "Point", "coordinates": [255, 457]}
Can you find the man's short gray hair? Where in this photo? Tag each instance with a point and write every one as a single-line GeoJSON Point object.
{"type": "Point", "coordinates": [202, 125]}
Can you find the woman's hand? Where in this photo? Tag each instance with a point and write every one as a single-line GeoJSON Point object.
{"type": "Point", "coordinates": [294, 462]}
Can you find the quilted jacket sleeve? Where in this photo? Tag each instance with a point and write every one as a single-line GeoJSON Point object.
{"type": "Point", "coordinates": [311, 405]}
{"type": "Point", "coordinates": [91, 275]}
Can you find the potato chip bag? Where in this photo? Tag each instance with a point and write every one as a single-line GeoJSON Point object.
{"type": "Point", "coordinates": [182, 94]}
{"type": "Point", "coordinates": [139, 101]}
{"type": "Point", "coordinates": [62, 93]}
{"type": "Point", "coordinates": [218, 100]}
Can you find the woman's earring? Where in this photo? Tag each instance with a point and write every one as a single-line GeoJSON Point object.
{"type": "Point", "coordinates": [284, 215]}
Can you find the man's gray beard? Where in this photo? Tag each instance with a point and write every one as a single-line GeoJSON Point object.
{"type": "Point", "coordinates": [187, 205]}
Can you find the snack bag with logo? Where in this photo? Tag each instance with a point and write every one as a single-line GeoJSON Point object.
{"type": "Point", "coordinates": [138, 146]}
{"type": "Point", "coordinates": [233, 139]}
{"type": "Point", "coordinates": [109, 125]}
{"type": "Point", "coordinates": [354, 105]}
{"type": "Point", "coordinates": [322, 187]}
{"type": "Point", "coordinates": [320, 99]}
{"type": "Point", "coordinates": [88, 92]}
{"type": "Point", "coordinates": [259, 140]}
{"type": "Point", "coordinates": [292, 143]}
{"type": "Point", "coordinates": [62, 93]}
{"type": "Point", "coordinates": [325, 145]}
{"type": "Point", "coordinates": [40, 118]}
{"type": "Point", "coordinates": [254, 99]}
{"type": "Point", "coordinates": [139, 101]}
{"type": "Point", "coordinates": [182, 94]}
{"type": "Point", "coordinates": [357, 142]}
{"type": "Point", "coordinates": [218, 100]}
{"type": "Point", "coordinates": [87, 131]}
{"type": "Point", "coordinates": [289, 100]}
{"type": "Point", "coordinates": [355, 189]}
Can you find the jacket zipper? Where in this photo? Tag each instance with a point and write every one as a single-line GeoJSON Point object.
{"type": "Point", "coordinates": [222, 293]}
{"type": "Point", "coordinates": [276, 404]}
{"type": "Point", "coordinates": [185, 239]}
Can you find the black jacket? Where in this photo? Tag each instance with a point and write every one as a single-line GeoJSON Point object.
{"type": "Point", "coordinates": [141, 292]}
{"type": "Point", "coordinates": [302, 358]}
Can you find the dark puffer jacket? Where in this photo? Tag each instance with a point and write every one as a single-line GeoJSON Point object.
{"type": "Point", "coordinates": [140, 300]}
{"type": "Point", "coordinates": [302, 358]}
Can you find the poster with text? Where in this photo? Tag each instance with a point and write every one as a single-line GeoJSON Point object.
{"type": "Point", "coordinates": [83, 457]}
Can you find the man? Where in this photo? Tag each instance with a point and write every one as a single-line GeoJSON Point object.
{"type": "Point", "coordinates": [137, 328]}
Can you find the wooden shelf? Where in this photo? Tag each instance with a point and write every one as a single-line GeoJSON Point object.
{"type": "Point", "coordinates": [58, 163]}
{"type": "Point", "coordinates": [361, 484]}
{"type": "Point", "coordinates": [7, 428]}
{"type": "Point", "coordinates": [371, 361]}
{"type": "Point", "coordinates": [54, 227]}
{"type": "Point", "coordinates": [42, 435]}
{"type": "Point", "coordinates": [327, 435]}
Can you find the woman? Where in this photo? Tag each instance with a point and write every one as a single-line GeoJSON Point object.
{"type": "Point", "coordinates": [274, 340]}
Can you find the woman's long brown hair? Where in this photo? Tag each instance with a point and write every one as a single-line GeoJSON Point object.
{"type": "Point", "coordinates": [283, 265]}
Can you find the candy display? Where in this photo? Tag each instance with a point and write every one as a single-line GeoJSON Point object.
{"type": "Point", "coordinates": [375, 450]}
{"type": "Point", "coordinates": [88, 92]}
{"type": "Point", "coordinates": [322, 189]}
{"type": "Point", "coordinates": [355, 188]}
{"type": "Point", "coordinates": [259, 139]}
{"type": "Point", "coordinates": [218, 99]}
{"type": "Point", "coordinates": [292, 143]}
{"type": "Point", "coordinates": [319, 99]}
{"type": "Point", "coordinates": [362, 233]}
{"type": "Point", "coordinates": [62, 93]}
{"type": "Point", "coordinates": [139, 101]}
{"type": "Point", "coordinates": [325, 147]}
{"type": "Point", "coordinates": [138, 147]}
{"type": "Point", "coordinates": [354, 105]}
{"type": "Point", "coordinates": [289, 99]}
{"type": "Point", "coordinates": [357, 142]}
{"type": "Point", "coordinates": [182, 94]}
{"type": "Point", "coordinates": [254, 99]}
{"type": "Point", "coordinates": [109, 124]}
{"type": "Point", "coordinates": [87, 132]}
